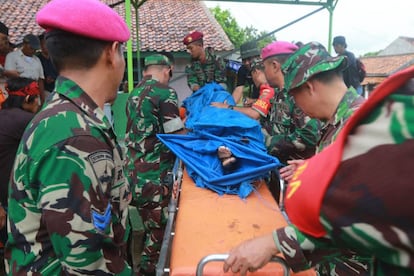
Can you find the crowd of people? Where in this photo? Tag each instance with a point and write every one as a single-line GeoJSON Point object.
{"type": "Point", "coordinates": [67, 184]}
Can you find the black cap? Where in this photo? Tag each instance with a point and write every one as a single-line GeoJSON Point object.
{"type": "Point", "coordinates": [32, 40]}
{"type": "Point", "coordinates": [339, 40]}
{"type": "Point", "coordinates": [4, 29]}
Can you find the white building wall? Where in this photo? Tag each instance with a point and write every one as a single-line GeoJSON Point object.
{"type": "Point", "coordinates": [179, 79]}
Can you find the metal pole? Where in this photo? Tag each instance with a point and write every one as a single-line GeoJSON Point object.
{"type": "Point", "coordinates": [331, 7]}
{"type": "Point", "coordinates": [330, 31]}
{"type": "Point", "coordinates": [290, 23]}
{"type": "Point", "coordinates": [138, 44]}
{"type": "Point", "coordinates": [137, 4]}
{"type": "Point", "coordinates": [130, 63]}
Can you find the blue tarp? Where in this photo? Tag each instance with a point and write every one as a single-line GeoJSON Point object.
{"type": "Point", "coordinates": [212, 127]}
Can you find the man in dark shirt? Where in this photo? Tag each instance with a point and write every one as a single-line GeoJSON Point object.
{"type": "Point", "coordinates": [16, 113]}
{"type": "Point", "coordinates": [248, 52]}
{"type": "Point", "coordinates": [4, 50]}
{"type": "Point", "coordinates": [48, 68]}
{"type": "Point", "coordinates": [350, 74]}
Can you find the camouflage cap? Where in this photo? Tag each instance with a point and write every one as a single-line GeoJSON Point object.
{"type": "Point", "coordinates": [256, 63]}
{"type": "Point", "coordinates": [309, 60]}
{"type": "Point", "coordinates": [157, 59]}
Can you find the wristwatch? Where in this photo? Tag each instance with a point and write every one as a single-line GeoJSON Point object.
{"type": "Point", "coordinates": [230, 107]}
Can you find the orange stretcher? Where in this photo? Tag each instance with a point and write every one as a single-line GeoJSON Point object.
{"type": "Point", "coordinates": [207, 223]}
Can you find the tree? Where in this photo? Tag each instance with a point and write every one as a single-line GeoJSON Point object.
{"type": "Point", "coordinates": [237, 34]}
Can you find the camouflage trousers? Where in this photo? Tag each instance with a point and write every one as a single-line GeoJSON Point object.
{"type": "Point", "coordinates": [153, 209]}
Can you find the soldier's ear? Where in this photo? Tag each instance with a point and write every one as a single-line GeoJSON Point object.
{"type": "Point", "coordinates": [276, 65]}
{"type": "Point", "coordinates": [112, 52]}
{"type": "Point", "coordinates": [309, 87]}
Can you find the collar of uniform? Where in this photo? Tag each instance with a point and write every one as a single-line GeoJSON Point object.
{"type": "Point", "coordinates": [151, 77]}
{"type": "Point", "coordinates": [210, 58]}
{"type": "Point", "coordinates": [76, 95]}
{"type": "Point", "coordinates": [343, 107]}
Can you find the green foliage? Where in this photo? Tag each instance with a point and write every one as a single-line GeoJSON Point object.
{"type": "Point", "coordinates": [372, 54]}
{"type": "Point", "coordinates": [265, 40]}
{"type": "Point", "coordinates": [237, 34]}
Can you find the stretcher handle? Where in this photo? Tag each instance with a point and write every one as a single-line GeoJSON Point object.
{"type": "Point", "coordinates": [223, 257]}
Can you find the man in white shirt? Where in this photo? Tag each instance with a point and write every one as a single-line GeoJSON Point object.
{"type": "Point", "coordinates": [24, 62]}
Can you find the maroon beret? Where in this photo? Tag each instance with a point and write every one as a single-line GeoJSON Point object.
{"type": "Point", "coordinates": [191, 37]}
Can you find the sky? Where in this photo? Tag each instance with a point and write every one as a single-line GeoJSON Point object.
{"type": "Point", "coordinates": [368, 25]}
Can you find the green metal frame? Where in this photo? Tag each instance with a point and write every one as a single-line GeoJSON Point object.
{"type": "Point", "coordinates": [324, 4]}
{"type": "Point", "coordinates": [288, 2]}
{"type": "Point", "coordinates": [136, 4]}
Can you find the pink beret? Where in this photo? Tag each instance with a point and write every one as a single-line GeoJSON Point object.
{"type": "Point", "coordinates": [89, 18]}
{"type": "Point", "coordinates": [278, 48]}
{"type": "Point", "coordinates": [191, 37]}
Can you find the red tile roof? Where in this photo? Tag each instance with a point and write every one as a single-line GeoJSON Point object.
{"type": "Point", "coordinates": [379, 67]}
{"type": "Point", "coordinates": [162, 23]}
{"type": "Point", "coordinates": [19, 17]}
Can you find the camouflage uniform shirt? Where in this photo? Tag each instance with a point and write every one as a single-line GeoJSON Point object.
{"type": "Point", "coordinates": [212, 70]}
{"type": "Point", "coordinates": [290, 134]}
{"type": "Point", "coordinates": [347, 106]}
{"type": "Point", "coordinates": [152, 108]}
{"type": "Point", "coordinates": [361, 210]}
{"type": "Point", "coordinates": [68, 196]}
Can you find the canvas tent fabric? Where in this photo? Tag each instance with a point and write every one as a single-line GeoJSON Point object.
{"type": "Point", "coordinates": [211, 127]}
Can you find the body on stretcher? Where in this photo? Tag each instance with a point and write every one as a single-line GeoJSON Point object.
{"type": "Point", "coordinates": [205, 223]}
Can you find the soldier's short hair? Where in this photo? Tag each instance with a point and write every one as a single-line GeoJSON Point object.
{"type": "Point", "coordinates": [68, 50]}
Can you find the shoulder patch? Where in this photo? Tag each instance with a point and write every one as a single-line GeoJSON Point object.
{"type": "Point", "coordinates": [103, 166]}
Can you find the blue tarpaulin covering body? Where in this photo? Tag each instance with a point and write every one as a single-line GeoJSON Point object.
{"type": "Point", "coordinates": [211, 127]}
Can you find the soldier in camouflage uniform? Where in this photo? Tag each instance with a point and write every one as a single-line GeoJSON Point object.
{"type": "Point", "coordinates": [361, 187]}
{"type": "Point", "coordinates": [152, 108]}
{"type": "Point", "coordinates": [289, 133]}
{"type": "Point", "coordinates": [68, 196]}
{"type": "Point", "coordinates": [314, 79]}
{"type": "Point", "coordinates": [205, 66]}
{"type": "Point", "coordinates": [335, 106]}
